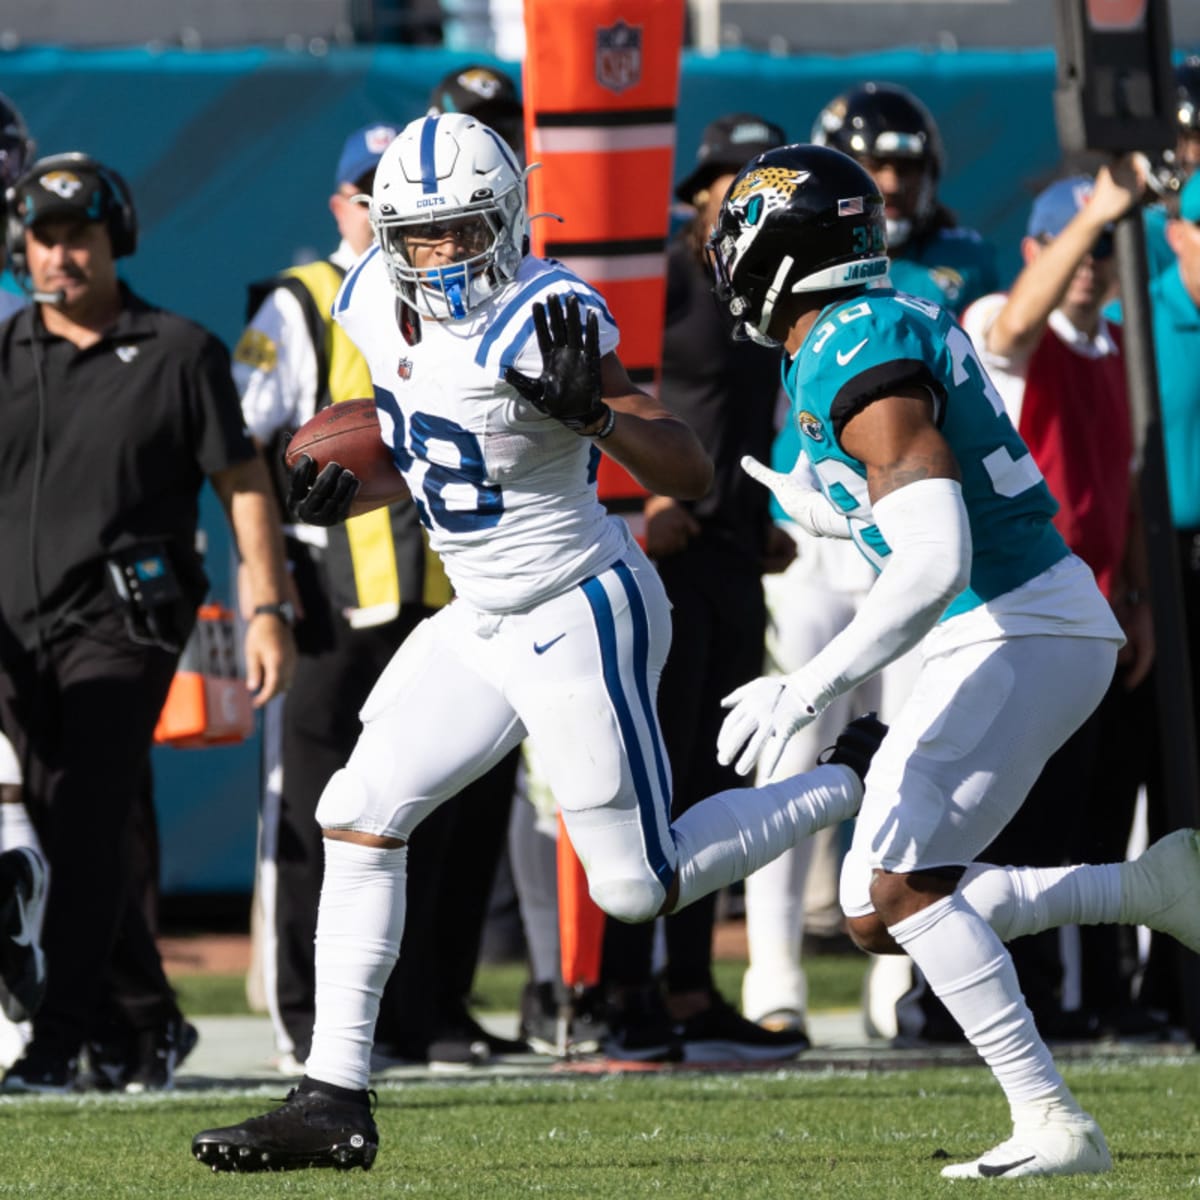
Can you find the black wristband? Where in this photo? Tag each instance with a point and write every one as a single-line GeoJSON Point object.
{"type": "Point", "coordinates": [610, 423]}
{"type": "Point", "coordinates": [284, 611]}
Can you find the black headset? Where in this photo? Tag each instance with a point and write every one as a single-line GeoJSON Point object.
{"type": "Point", "coordinates": [119, 214]}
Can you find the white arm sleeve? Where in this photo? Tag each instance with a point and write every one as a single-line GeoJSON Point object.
{"type": "Point", "coordinates": [926, 527]}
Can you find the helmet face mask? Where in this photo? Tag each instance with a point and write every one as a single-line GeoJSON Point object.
{"type": "Point", "coordinates": [797, 219]}
{"type": "Point", "coordinates": [448, 180]}
{"type": "Point", "coordinates": [881, 122]}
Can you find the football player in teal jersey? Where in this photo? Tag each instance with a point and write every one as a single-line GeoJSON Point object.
{"type": "Point", "coordinates": [887, 130]}
{"type": "Point", "coordinates": [915, 458]}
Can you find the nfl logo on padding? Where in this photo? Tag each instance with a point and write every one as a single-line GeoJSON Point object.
{"type": "Point", "coordinates": [619, 56]}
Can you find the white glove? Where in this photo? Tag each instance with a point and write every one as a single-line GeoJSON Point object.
{"type": "Point", "coordinates": [799, 497]}
{"type": "Point", "coordinates": [765, 713]}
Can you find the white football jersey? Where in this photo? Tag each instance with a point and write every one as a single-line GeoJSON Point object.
{"type": "Point", "coordinates": [508, 495]}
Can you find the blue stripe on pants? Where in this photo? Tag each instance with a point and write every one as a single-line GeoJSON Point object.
{"type": "Point", "coordinates": [648, 805]}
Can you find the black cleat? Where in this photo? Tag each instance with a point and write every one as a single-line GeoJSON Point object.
{"type": "Point", "coordinates": [639, 1029]}
{"type": "Point", "coordinates": [119, 1059]}
{"type": "Point", "coordinates": [720, 1033]}
{"type": "Point", "coordinates": [158, 1053]}
{"type": "Point", "coordinates": [856, 744]}
{"type": "Point", "coordinates": [43, 1068]}
{"type": "Point", "coordinates": [312, 1128]}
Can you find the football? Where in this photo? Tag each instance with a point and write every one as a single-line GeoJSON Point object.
{"type": "Point", "coordinates": [348, 434]}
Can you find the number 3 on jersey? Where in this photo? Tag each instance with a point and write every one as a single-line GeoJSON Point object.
{"type": "Point", "coordinates": [1010, 476]}
{"type": "Point", "coordinates": [457, 499]}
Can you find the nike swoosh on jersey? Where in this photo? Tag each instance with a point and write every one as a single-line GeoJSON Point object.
{"type": "Point", "coordinates": [991, 1170]}
{"type": "Point", "coordinates": [546, 645]}
{"type": "Point", "coordinates": [844, 356]}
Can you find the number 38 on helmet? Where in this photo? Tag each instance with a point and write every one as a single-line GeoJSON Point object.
{"type": "Point", "coordinates": [799, 218]}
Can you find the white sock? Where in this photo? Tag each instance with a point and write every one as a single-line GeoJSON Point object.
{"type": "Point", "coordinates": [972, 974]}
{"type": "Point", "coordinates": [725, 837]}
{"type": "Point", "coordinates": [359, 925]}
{"type": "Point", "coordinates": [16, 829]}
{"type": "Point", "coordinates": [774, 980]}
{"type": "Point", "coordinates": [1016, 901]}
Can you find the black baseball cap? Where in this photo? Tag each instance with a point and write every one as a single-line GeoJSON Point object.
{"type": "Point", "coordinates": [729, 143]}
{"type": "Point", "coordinates": [478, 90]}
{"type": "Point", "coordinates": [73, 191]}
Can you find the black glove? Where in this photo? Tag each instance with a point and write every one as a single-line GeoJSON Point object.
{"type": "Point", "coordinates": [856, 744]}
{"type": "Point", "coordinates": [569, 387]}
{"type": "Point", "coordinates": [322, 499]}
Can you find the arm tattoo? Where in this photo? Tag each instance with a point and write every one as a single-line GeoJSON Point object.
{"type": "Point", "coordinates": [884, 478]}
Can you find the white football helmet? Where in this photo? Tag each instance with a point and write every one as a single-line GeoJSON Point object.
{"type": "Point", "coordinates": [447, 177]}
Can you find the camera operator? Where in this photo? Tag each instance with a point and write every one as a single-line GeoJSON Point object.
{"type": "Point", "coordinates": [112, 414]}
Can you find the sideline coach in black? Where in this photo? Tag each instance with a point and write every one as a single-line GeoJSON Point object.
{"type": "Point", "coordinates": [112, 414]}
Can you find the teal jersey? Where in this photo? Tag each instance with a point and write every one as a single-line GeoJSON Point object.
{"type": "Point", "coordinates": [879, 341]}
{"type": "Point", "coordinates": [1176, 318]}
{"type": "Point", "coordinates": [952, 267]}
{"type": "Point", "coordinates": [1159, 255]}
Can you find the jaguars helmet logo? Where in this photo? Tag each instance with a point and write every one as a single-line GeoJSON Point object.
{"type": "Point", "coordinates": [810, 426]}
{"type": "Point", "coordinates": [949, 281]}
{"type": "Point", "coordinates": [765, 189]}
{"type": "Point", "coordinates": [480, 82]}
{"type": "Point", "coordinates": [752, 197]}
{"type": "Point", "coordinates": [65, 184]}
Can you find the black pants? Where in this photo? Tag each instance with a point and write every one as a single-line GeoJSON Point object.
{"type": "Point", "coordinates": [718, 629]}
{"type": "Point", "coordinates": [83, 723]}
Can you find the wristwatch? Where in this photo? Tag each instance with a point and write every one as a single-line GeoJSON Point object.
{"type": "Point", "coordinates": [284, 610]}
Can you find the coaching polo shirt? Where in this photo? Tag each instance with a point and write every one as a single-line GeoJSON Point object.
{"type": "Point", "coordinates": [132, 426]}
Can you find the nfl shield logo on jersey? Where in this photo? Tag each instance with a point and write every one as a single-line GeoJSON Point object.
{"type": "Point", "coordinates": [404, 368]}
{"type": "Point", "coordinates": [619, 56]}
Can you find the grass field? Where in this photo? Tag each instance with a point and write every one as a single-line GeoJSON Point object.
{"type": "Point", "coordinates": [687, 1134]}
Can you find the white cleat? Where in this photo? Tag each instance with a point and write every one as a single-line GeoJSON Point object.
{"type": "Point", "coordinates": [1067, 1144]}
{"type": "Point", "coordinates": [1161, 888]}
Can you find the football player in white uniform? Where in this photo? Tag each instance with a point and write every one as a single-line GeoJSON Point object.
{"type": "Point", "coordinates": [498, 387]}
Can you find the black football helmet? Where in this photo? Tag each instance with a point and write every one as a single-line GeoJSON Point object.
{"type": "Point", "coordinates": [1187, 83]}
{"type": "Point", "coordinates": [798, 218]}
{"type": "Point", "coordinates": [1171, 172]}
{"type": "Point", "coordinates": [16, 146]}
{"type": "Point", "coordinates": [884, 120]}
